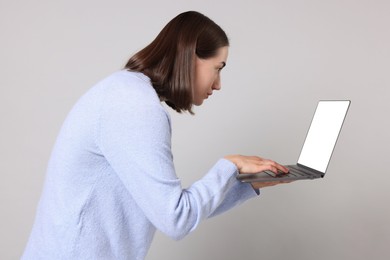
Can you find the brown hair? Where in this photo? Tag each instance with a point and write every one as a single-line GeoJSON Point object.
{"type": "Point", "coordinates": [169, 60]}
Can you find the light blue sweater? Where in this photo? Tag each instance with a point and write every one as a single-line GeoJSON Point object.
{"type": "Point", "coordinates": [111, 181]}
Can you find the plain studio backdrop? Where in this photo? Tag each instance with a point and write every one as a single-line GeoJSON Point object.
{"type": "Point", "coordinates": [284, 56]}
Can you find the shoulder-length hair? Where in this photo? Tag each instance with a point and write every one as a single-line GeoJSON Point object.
{"type": "Point", "coordinates": [169, 60]}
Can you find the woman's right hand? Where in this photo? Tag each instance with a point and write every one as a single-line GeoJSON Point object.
{"type": "Point", "coordinates": [255, 164]}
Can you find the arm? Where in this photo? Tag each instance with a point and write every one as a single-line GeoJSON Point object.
{"type": "Point", "coordinates": [136, 141]}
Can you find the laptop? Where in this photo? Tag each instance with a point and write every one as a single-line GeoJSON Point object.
{"type": "Point", "coordinates": [318, 146]}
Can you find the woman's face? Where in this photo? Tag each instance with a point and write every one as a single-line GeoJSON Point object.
{"type": "Point", "coordinates": [207, 75]}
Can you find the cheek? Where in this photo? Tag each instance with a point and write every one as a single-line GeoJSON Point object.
{"type": "Point", "coordinates": [205, 79]}
{"type": "Point", "coordinates": [199, 91]}
{"type": "Point", "coordinates": [200, 81]}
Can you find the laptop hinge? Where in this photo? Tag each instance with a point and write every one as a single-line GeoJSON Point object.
{"type": "Point", "coordinates": [312, 170]}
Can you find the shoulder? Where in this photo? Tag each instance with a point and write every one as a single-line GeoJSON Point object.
{"type": "Point", "coordinates": [121, 90]}
{"type": "Point", "coordinates": [131, 93]}
{"type": "Point", "coordinates": [127, 84]}
{"type": "Point", "coordinates": [130, 111]}
{"type": "Point", "coordinates": [129, 89]}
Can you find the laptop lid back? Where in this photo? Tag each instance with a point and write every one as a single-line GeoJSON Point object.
{"type": "Point", "coordinates": [323, 133]}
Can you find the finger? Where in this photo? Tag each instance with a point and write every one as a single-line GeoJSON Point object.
{"type": "Point", "coordinates": [266, 165]}
{"type": "Point", "coordinates": [282, 168]}
{"type": "Point", "coordinates": [275, 167]}
{"type": "Point", "coordinates": [278, 167]}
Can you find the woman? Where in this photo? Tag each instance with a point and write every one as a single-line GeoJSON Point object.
{"type": "Point", "coordinates": [111, 181]}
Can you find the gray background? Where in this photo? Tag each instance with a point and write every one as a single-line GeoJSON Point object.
{"type": "Point", "coordinates": [284, 57]}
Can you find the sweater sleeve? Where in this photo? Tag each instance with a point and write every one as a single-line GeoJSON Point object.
{"type": "Point", "coordinates": [135, 139]}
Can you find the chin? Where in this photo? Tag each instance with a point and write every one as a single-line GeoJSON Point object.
{"type": "Point", "coordinates": [198, 102]}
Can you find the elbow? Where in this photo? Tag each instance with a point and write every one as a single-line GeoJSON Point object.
{"type": "Point", "coordinates": [174, 234]}
{"type": "Point", "coordinates": [181, 218]}
{"type": "Point", "coordinates": [177, 235]}
{"type": "Point", "coordinates": [180, 223]}
{"type": "Point", "coordinates": [178, 229]}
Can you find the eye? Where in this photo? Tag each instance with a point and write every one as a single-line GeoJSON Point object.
{"type": "Point", "coordinates": [222, 66]}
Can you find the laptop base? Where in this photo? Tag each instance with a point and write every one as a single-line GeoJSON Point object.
{"type": "Point", "coordinates": [296, 172]}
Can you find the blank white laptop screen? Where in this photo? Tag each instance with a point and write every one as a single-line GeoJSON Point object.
{"type": "Point", "coordinates": [323, 134]}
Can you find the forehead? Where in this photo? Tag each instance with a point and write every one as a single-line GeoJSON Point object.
{"type": "Point", "coordinates": [219, 58]}
{"type": "Point", "coordinates": [222, 54]}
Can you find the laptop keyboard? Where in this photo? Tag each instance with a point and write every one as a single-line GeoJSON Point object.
{"type": "Point", "coordinates": [293, 172]}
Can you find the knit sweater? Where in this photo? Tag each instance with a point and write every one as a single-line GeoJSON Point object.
{"type": "Point", "coordinates": [111, 180]}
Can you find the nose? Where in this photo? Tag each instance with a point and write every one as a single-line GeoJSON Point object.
{"type": "Point", "coordinates": [217, 83]}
